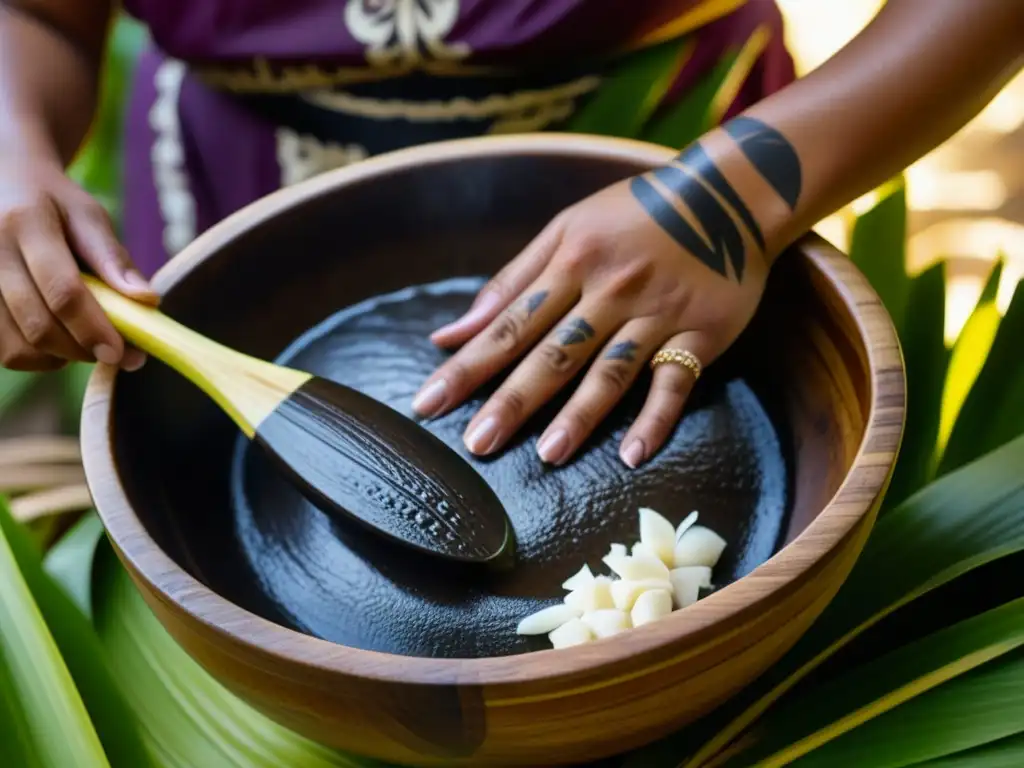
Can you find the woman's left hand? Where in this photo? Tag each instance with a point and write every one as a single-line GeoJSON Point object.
{"type": "Point", "coordinates": [604, 283]}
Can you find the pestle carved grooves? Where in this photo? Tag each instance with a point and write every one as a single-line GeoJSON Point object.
{"type": "Point", "coordinates": [400, 478]}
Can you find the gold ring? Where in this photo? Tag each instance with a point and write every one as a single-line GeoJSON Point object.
{"type": "Point", "coordinates": [681, 357]}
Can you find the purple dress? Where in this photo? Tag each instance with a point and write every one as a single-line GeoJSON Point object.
{"type": "Point", "coordinates": [234, 99]}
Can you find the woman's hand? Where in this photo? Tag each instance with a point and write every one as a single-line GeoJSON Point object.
{"type": "Point", "coordinates": [604, 286]}
{"type": "Point", "coordinates": [47, 315]}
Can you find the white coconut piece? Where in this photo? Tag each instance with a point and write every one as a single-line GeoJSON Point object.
{"type": "Point", "coordinates": [573, 632]}
{"type": "Point", "coordinates": [625, 593]}
{"type": "Point", "coordinates": [650, 606]}
{"type": "Point", "coordinates": [636, 567]}
{"type": "Point", "coordinates": [593, 596]}
{"type": "Point", "coordinates": [641, 549]}
{"type": "Point", "coordinates": [686, 584]}
{"type": "Point", "coordinates": [606, 623]}
{"type": "Point", "coordinates": [547, 620]}
{"type": "Point", "coordinates": [582, 577]}
{"type": "Point", "coordinates": [658, 535]}
{"type": "Point", "coordinates": [618, 550]}
{"type": "Point", "coordinates": [685, 525]}
{"type": "Point", "coordinates": [699, 546]}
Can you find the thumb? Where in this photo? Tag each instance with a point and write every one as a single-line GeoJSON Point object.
{"type": "Point", "coordinates": [93, 239]}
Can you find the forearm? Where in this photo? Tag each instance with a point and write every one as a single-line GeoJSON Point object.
{"type": "Point", "coordinates": [916, 75]}
{"type": "Point", "coordinates": [49, 67]}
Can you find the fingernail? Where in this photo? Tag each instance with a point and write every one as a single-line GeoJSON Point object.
{"type": "Point", "coordinates": [105, 354]}
{"type": "Point", "coordinates": [133, 360]}
{"type": "Point", "coordinates": [136, 280]}
{"type": "Point", "coordinates": [634, 454]}
{"type": "Point", "coordinates": [484, 436]}
{"type": "Point", "coordinates": [552, 449]}
{"type": "Point", "coordinates": [431, 398]}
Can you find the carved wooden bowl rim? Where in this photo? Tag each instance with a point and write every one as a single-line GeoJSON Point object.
{"type": "Point", "coordinates": [665, 642]}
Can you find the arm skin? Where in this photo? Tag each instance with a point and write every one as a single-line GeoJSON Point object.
{"type": "Point", "coordinates": [50, 54]}
{"type": "Point", "coordinates": [920, 71]}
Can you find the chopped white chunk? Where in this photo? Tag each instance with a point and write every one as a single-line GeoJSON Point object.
{"type": "Point", "coordinates": [657, 535]}
{"type": "Point", "coordinates": [592, 596]}
{"type": "Point", "coordinates": [637, 567]}
{"type": "Point", "coordinates": [580, 578]}
{"type": "Point", "coordinates": [699, 546]}
{"type": "Point", "coordinates": [651, 606]}
{"type": "Point", "coordinates": [625, 593]}
{"type": "Point", "coordinates": [618, 549]}
{"type": "Point", "coordinates": [686, 584]}
{"type": "Point", "coordinates": [606, 623]}
{"type": "Point", "coordinates": [640, 549]}
{"type": "Point", "coordinates": [573, 632]}
{"type": "Point", "coordinates": [547, 619]}
{"type": "Point", "coordinates": [685, 525]}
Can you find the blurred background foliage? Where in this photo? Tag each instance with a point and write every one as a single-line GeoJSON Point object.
{"type": "Point", "coordinates": [916, 662]}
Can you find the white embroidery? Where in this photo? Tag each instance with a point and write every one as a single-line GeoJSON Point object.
{"type": "Point", "coordinates": [170, 177]}
{"type": "Point", "coordinates": [301, 156]}
{"type": "Point", "coordinates": [405, 32]}
{"type": "Point", "coordinates": [543, 105]}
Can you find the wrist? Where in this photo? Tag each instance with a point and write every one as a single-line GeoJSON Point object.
{"type": "Point", "coordinates": [26, 140]}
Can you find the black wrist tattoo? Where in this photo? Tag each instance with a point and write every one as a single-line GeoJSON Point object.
{"type": "Point", "coordinates": [772, 155]}
{"type": "Point", "coordinates": [694, 180]}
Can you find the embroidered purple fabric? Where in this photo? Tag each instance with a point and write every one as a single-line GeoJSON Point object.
{"type": "Point", "coordinates": [234, 99]}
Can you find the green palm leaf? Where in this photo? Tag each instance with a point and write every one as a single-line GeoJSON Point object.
{"type": "Point", "coordinates": [990, 412]}
{"type": "Point", "coordinates": [969, 353]}
{"type": "Point", "coordinates": [1005, 753]}
{"type": "Point", "coordinates": [878, 248]}
{"type": "Point", "coordinates": [53, 726]}
{"type": "Point", "coordinates": [834, 714]}
{"type": "Point", "coordinates": [965, 520]}
{"type": "Point", "coordinates": [76, 640]}
{"type": "Point", "coordinates": [925, 359]}
{"type": "Point", "coordinates": [979, 708]}
{"type": "Point", "coordinates": [189, 720]}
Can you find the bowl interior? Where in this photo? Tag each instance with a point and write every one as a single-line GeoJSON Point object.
{"type": "Point", "coordinates": [347, 284]}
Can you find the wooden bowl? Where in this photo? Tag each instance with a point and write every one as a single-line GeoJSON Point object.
{"type": "Point", "coordinates": [158, 460]}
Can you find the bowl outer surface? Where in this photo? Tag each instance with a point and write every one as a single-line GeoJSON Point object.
{"type": "Point", "coordinates": [649, 680]}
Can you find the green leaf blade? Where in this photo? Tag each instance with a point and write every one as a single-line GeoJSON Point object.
{"type": "Point", "coordinates": [76, 641]}
{"type": "Point", "coordinates": [878, 248]}
{"type": "Point", "coordinates": [871, 690]}
{"type": "Point", "coordinates": [957, 524]}
{"type": "Point", "coordinates": [62, 734]}
{"type": "Point", "coordinates": [989, 412]}
{"type": "Point", "coordinates": [926, 359]}
{"type": "Point", "coordinates": [188, 718]}
{"type": "Point", "coordinates": [981, 707]}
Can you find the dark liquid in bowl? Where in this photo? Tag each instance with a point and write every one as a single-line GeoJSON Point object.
{"type": "Point", "coordinates": [726, 460]}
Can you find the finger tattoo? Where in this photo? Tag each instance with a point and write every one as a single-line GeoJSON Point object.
{"type": "Point", "coordinates": [576, 331]}
{"type": "Point", "coordinates": [624, 350]}
{"type": "Point", "coordinates": [533, 302]}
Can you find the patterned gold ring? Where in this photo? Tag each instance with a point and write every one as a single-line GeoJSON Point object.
{"type": "Point", "coordinates": [681, 357]}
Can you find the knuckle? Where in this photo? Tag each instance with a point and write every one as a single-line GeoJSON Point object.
{"type": "Point", "coordinates": [64, 293]}
{"type": "Point", "coordinates": [580, 253]}
{"type": "Point", "coordinates": [629, 278]}
{"type": "Point", "coordinates": [614, 378]}
{"type": "Point", "coordinates": [36, 329]}
{"type": "Point", "coordinates": [580, 419]}
{"type": "Point", "coordinates": [660, 423]}
{"type": "Point", "coordinates": [554, 358]}
{"type": "Point", "coordinates": [511, 401]}
{"type": "Point", "coordinates": [506, 331]}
